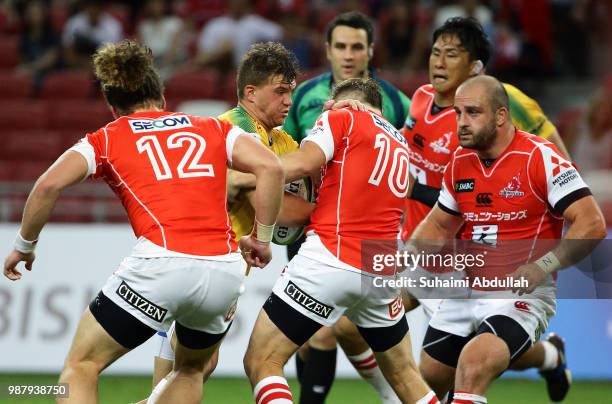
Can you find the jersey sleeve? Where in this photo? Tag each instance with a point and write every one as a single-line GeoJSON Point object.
{"type": "Point", "coordinates": [527, 115]}
{"type": "Point", "coordinates": [231, 133]}
{"type": "Point", "coordinates": [447, 201]}
{"type": "Point", "coordinates": [329, 130]}
{"type": "Point", "coordinates": [556, 178]}
{"type": "Point", "coordinates": [92, 147]}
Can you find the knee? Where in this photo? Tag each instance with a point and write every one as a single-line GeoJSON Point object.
{"type": "Point", "coordinates": [472, 371]}
{"type": "Point", "coordinates": [81, 367]}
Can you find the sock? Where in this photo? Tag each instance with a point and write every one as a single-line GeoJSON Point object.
{"type": "Point", "coordinates": [551, 356]}
{"type": "Point", "coordinates": [461, 397]}
{"type": "Point", "coordinates": [429, 398]}
{"type": "Point", "coordinates": [299, 366]}
{"type": "Point", "coordinates": [318, 376]}
{"type": "Point", "coordinates": [157, 390]}
{"type": "Point", "coordinates": [366, 366]}
{"type": "Point", "coordinates": [272, 390]}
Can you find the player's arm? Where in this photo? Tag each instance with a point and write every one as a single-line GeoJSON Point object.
{"type": "Point", "coordinates": [294, 212]}
{"type": "Point", "coordinates": [249, 155]}
{"type": "Point", "coordinates": [439, 224]}
{"type": "Point", "coordinates": [304, 162]}
{"type": "Point", "coordinates": [69, 169]}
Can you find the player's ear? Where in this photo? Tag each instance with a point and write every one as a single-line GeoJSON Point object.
{"type": "Point", "coordinates": [502, 115]}
{"type": "Point", "coordinates": [249, 92]}
{"type": "Point", "coordinates": [328, 50]}
{"type": "Point", "coordinates": [371, 51]}
{"type": "Point", "coordinates": [477, 67]}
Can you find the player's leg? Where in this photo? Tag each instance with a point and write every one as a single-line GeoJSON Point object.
{"type": "Point", "coordinates": [549, 357]}
{"type": "Point", "coordinates": [393, 352]}
{"type": "Point", "coordinates": [278, 332]}
{"type": "Point", "coordinates": [319, 371]}
{"type": "Point", "coordinates": [163, 359]}
{"type": "Point", "coordinates": [194, 351]}
{"type": "Point", "coordinates": [93, 348]}
{"type": "Point", "coordinates": [449, 330]}
{"type": "Point", "coordinates": [363, 360]}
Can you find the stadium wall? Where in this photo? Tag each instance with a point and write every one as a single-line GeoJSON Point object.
{"type": "Point", "coordinates": [39, 313]}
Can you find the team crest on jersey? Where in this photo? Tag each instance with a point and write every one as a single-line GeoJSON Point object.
{"type": "Point", "coordinates": [513, 189]}
{"type": "Point", "coordinates": [441, 145]}
{"type": "Point", "coordinates": [410, 122]}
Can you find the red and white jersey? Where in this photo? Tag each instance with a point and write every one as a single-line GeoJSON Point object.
{"type": "Point", "coordinates": [520, 196]}
{"type": "Point", "coordinates": [169, 170]}
{"type": "Point", "coordinates": [432, 139]}
{"type": "Point", "coordinates": [364, 184]}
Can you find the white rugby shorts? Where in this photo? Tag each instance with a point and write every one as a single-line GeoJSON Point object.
{"type": "Point", "coordinates": [200, 294]}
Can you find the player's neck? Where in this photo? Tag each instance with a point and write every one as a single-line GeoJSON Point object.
{"type": "Point", "coordinates": [255, 114]}
{"type": "Point", "coordinates": [505, 135]}
{"type": "Point", "coordinates": [444, 100]}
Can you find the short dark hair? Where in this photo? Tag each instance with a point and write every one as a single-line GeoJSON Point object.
{"type": "Point", "coordinates": [366, 90]}
{"type": "Point", "coordinates": [353, 19]}
{"type": "Point", "coordinates": [127, 77]}
{"type": "Point", "coordinates": [470, 33]}
{"type": "Point", "coordinates": [262, 61]}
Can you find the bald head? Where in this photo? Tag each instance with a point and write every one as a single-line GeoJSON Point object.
{"type": "Point", "coordinates": [487, 87]}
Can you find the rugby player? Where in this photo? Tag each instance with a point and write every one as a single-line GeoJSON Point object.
{"type": "Point", "coordinates": [474, 340]}
{"type": "Point", "coordinates": [177, 208]}
{"type": "Point", "coordinates": [361, 198]}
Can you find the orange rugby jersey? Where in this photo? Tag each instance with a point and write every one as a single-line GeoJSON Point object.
{"type": "Point", "coordinates": [169, 170]}
{"type": "Point", "coordinates": [364, 184]}
{"type": "Point", "coordinates": [520, 196]}
{"type": "Point", "coordinates": [432, 139]}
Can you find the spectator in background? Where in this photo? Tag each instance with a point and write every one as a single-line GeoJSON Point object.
{"type": "Point", "coordinates": [225, 39]}
{"type": "Point", "coordinates": [86, 31]}
{"type": "Point", "coordinates": [162, 32]}
{"type": "Point", "coordinates": [593, 144]}
{"type": "Point", "coordinates": [39, 47]}
{"type": "Point", "coordinates": [467, 8]}
{"type": "Point", "coordinates": [405, 39]}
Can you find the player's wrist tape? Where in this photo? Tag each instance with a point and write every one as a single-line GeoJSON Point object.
{"type": "Point", "coordinates": [548, 262]}
{"type": "Point", "coordinates": [24, 246]}
{"type": "Point", "coordinates": [263, 232]}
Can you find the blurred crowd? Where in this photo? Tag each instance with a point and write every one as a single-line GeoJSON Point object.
{"type": "Point", "coordinates": [541, 40]}
{"type": "Point", "coordinates": [545, 38]}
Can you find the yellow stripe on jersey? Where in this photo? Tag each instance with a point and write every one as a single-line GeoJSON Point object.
{"type": "Point", "coordinates": [527, 114]}
{"type": "Point", "coordinates": [241, 212]}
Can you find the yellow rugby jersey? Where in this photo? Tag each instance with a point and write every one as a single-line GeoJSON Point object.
{"type": "Point", "coordinates": [241, 212]}
{"type": "Point", "coordinates": [527, 114]}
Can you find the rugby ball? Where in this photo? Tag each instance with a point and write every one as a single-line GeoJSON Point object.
{"type": "Point", "coordinates": [284, 235]}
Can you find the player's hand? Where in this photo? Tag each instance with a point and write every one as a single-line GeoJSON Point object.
{"type": "Point", "coordinates": [255, 252]}
{"type": "Point", "coordinates": [14, 258]}
{"type": "Point", "coordinates": [352, 104]}
{"type": "Point", "coordinates": [532, 273]}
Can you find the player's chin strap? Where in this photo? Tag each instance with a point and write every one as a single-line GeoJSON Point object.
{"type": "Point", "coordinates": [548, 262]}
{"type": "Point", "coordinates": [24, 246]}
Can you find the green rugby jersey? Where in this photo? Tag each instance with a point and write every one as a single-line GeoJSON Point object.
{"type": "Point", "coordinates": [309, 97]}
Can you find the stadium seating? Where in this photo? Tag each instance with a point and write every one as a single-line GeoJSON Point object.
{"type": "Point", "coordinates": [67, 85]}
{"type": "Point", "coordinates": [80, 116]}
{"type": "Point", "coordinates": [23, 114]}
{"type": "Point", "coordinates": [14, 85]}
{"type": "Point", "coordinates": [192, 85]}
{"type": "Point", "coordinates": [9, 49]}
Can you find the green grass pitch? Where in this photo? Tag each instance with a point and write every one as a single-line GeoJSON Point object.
{"type": "Point", "coordinates": [127, 389]}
